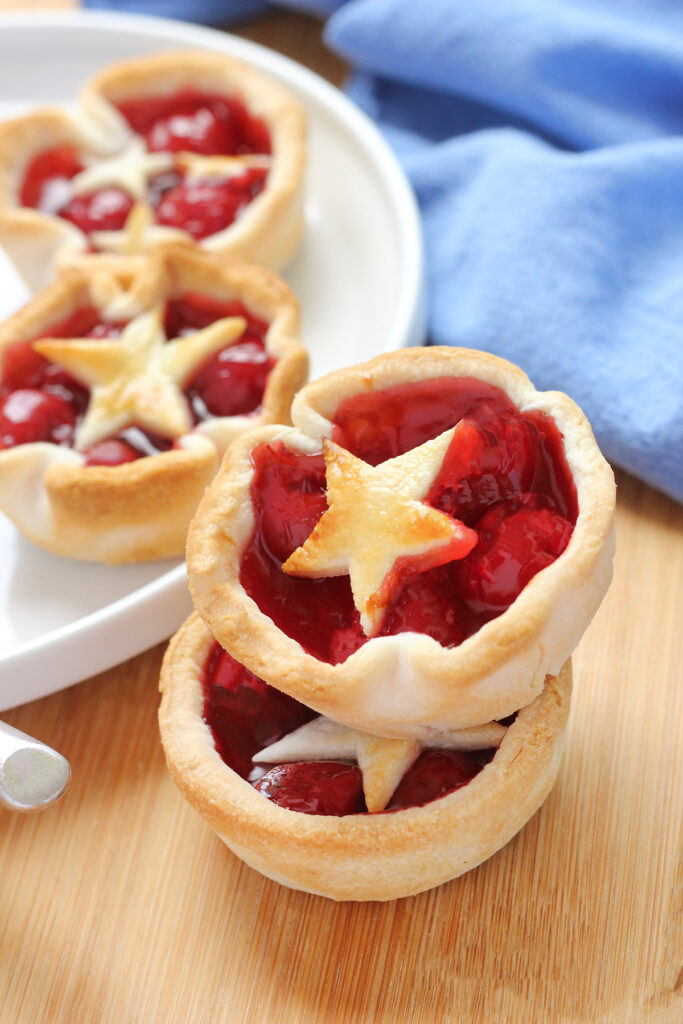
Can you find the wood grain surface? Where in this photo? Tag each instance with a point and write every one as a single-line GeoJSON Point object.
{"type": "Point", "coordinates": [119, 904]}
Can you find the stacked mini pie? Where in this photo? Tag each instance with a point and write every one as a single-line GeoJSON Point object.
{"type": "Point", "coordinates": [372, 696]}
{"type": "Point", "coordinates": [124, 380]}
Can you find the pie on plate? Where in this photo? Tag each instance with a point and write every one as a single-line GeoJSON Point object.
{"type": "Point", "coordinates": [183, 146]}
{"type": "Point", "coordinates": [121, 386]}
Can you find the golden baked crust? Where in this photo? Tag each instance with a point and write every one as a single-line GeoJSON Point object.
{"type": "Point", "coordinates": [140, 510]}
{"type": "Point", "coordinates": [408, 685]}
{"type": "Point", "coordinates": [267, 232]}
{"type": "Point", "coordinates": [358, 857]}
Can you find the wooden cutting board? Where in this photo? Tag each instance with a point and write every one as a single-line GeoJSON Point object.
{"type": "Point", "coordinates": [119, 904]}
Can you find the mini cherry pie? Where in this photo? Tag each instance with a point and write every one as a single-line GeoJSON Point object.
{"type": "Point", "coordinates": [185, 146]}
{"type": "Point", "coordinates": [122, 385]}
{"type": "Point", "coordinates": [390, 592]}
{"type": "Point", "coordinates": [305, 823]}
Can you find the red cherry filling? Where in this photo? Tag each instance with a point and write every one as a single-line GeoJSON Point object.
{"type": "Point", "coordinates": [46, 187]}
{"type": "Point", "coordinates": [230, 383]}
{"type": "Point", "coordinates": [316, 787]}
{"type": "Point", "coordinates": [112, 452]}
{"type": "Point", "coordinates": [24, 368]}
{"type": "Point", "coordinates": [502, 454]}
{"type": "Point", "coordinates": [131, 444]}
{"type": "Point", "coordinates": [245, 715]}
{"type": "Point", "coordinates": [289, 499]}
{"type": "Point", "coordinates": [187, 121]}
{"type": "Point", "coordinates": [436, 773]}
{"type": "Point", "coordinates": [192, 311]}
{"type": "Point", "coordinates": [292, 497]}
{"type": "Point", "coordinates": [197, 122]}
{"type": "Point", "coordinates": [513, 545]}
{"type": "Point", "coordinates": [430, 603]}
{"type": "Point", "coordinates": [197, 132]}
{"type": "Point", "coordinates": [381, 425]}
{"type": "Point", "coordinates": [46, 181]}
{"type": "Point", "coordinates": [204, 208]}
{"type": "Point", "coordinates": [243, 712]}
{"type": "Point", "coordinates": [27, 415]}
{"type": "Point", "coordinates": [105, 210]}
{"type": "Point", "coordinates": [505, 475]}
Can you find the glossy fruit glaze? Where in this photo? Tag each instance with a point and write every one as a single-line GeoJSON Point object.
{"type": "Point", "coordinates": [505, 476]}
{"type": "Point", "coordinates": [40, 401]}
{"type": "Point", "coordinates": [46, 187]}
{"type": "Point", "coordinates": [188, 121]}
{"type": "Point", "coordinates": [245, 715]}
{"type": "Point", "coordinates": [206, 207]}
{"type": "Point", "coordinates": [196, 122]}
{"type": "Point", "coordinates": [231, 382]}
{"type": "Point", "coordinates": [46, 179]}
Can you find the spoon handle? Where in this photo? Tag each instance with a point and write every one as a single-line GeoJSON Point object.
{"type": "Point", "coordinates": [32, 775]}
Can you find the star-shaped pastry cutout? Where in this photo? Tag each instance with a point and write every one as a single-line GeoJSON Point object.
{"type": "Point", "coordinates": [129, 170]}
{"type": "Point", "coordinates": [383, 762]}
{"type": "Point", "coordinates": [137, 378]}
{"type": "Point", "coordinates": [378, 522]}
{"type": "Point", "coordinates": [139, 234]}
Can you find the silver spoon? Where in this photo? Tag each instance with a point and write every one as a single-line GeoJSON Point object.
{"type": "Point", "coordinates": [32, 775]}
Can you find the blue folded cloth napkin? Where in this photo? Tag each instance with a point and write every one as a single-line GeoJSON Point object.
{"type": "Point", "coordinates": [544, 140]}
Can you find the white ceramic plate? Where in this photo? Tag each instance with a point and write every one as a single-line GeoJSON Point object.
{"type": "Point", "coordinates": [358, 276]}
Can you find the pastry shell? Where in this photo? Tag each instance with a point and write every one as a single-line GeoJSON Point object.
{"type": "Point", "coordinates": [267, 232]}
{"type": "Point", "coordinates": [359, 857]}
{"type": "Point", "coordinates": [408, 685]}
{"type": "Point", "coordinates": [140, 510]}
